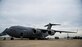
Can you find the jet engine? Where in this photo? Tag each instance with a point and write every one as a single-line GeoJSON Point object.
{"type": "Point", "coordinates": [36, 31]}
{"type": "Point", "coordinates": [51, 32]}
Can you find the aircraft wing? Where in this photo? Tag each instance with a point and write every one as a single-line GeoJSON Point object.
{"type": "Point", "coordinates": [45, 30]}
{"type": "Point", "coordinates": [63, 31]}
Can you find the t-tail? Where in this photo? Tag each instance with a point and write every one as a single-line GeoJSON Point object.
{"type": "Point", "coordinates": [49, 26]}
{"type": "Point", "coordinates": [4, 32]}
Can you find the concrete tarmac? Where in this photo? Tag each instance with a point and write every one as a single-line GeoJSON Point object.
{"type": "Point", "coordinates": [40, 43]}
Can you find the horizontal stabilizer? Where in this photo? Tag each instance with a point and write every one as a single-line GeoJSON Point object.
{"type": "Point", "coordinates": [50, 25]}
{"type": "Point", "coordinates": [2, 34]}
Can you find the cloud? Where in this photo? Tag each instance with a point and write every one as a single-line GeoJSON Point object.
{"type": "Point", "coordinates": [40, 12]}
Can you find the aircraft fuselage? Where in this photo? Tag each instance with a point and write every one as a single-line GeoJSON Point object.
{"type": "Point", "coordinates": [25, 32]}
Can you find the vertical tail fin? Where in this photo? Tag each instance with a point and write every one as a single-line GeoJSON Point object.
{"type": "Point", "coordinates": [49, 26]}
{"type": "Point", "coordinates": [4, 32]}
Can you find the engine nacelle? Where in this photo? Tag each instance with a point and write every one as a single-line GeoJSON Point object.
{"type": "Point", "coordinates": [36, 31]}
{"type": "Point", "coordinates": [51, 32]}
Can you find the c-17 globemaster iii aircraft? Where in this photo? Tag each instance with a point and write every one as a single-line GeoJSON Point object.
{"type": "Point", "coordinates": [31, 33]}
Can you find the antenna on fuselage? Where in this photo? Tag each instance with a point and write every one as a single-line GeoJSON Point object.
{"type": "Point", "coordinates": [49, 26]}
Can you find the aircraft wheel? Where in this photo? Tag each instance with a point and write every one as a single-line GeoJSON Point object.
{"type": "Point", "coordinates": [42, 39]}
{"type": "Point", "coordinates": [31, 38]}
{"type": "Point", "coordinates": [4, 38]}
{"type": "Point", "coordinates": [12, 38]}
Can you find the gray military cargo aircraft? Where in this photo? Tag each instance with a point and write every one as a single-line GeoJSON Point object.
{"type": "Point", "coordinates": [31, 33]}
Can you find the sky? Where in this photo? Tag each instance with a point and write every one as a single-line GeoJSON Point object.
{"type": "Point", "coordinates": [37, 13]}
